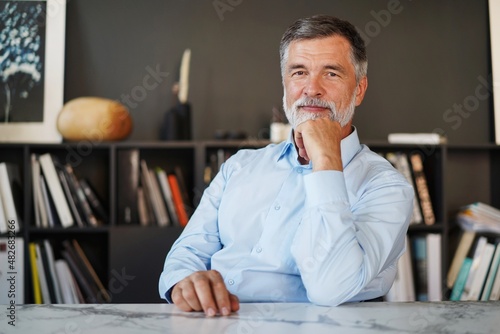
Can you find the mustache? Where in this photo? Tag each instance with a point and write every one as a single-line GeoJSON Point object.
{"type": "Point", "coordinates": [314, 102]}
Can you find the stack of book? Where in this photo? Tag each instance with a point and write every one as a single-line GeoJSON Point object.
{"type": "Point", "coordinates": [68, 280]}
{"type": "Point", "coordinates": [60, 198]}
{"type": "Point", "coordinates": [150, 196]}
{"type": "Point", "coordinates": [474, 274]}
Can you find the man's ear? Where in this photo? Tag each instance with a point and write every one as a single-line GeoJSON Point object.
{"type": "Point", "coordinates": [361, 90]}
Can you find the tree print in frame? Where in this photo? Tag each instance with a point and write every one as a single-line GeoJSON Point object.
{"type": "Point", "coordinates": [32, 37]}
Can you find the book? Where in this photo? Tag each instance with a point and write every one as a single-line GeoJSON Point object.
{"type": "Point", "coordinates": [400, 161]}
{"type": "Point", "coordinates": [70, 198]}
{"type": "Point", "coordinates": [81, 199]}
{"type": "Point", "coordinates": [422, 189]}
{"type": "Point", "coordinates": [475, 255]}
{"type": "Point", "coordinates": [419, 252]}
{"type": "Point", "coordinates": [83, 282]}
{"type": "Point", "coordinates": [464, 245]}
{"type": "Point", "coordinates": [481, 272]}
{"type": "Point", "coordinates": [479, 217]}
{"type": "Point", "coordinates": [167, 195]}
{"type": "Point", "coordinates": [94, 201]}
{"type": "Point", "coordinates": [143, 211]}
{"type": "Point", "coordinates": [434, 267]}
{"type": "Point", "coordinates": [35, 282]}
{"type": "Point", "coordinates": [492, 272]}
{"type": "Point", "coordinates": [416, 138]}
{"type": "Point", "coordinates": [41, 219]}
{"type": "Point", "coordinates": [69, 294]}
{"type": "Point", "coordinates": [51, 285]}
{"type": "Point", "coordinates": [177, 198]}
{"type": "Point", "coordinates": [41, 276]}
{"type": "Point", "coordinates": [47, 203]}
{"type": "Point", "coordinates": [184, 190]}
{"type": "Point", "coordinates": [458, 286]}
{"type": "Point", "coordinates": [128, 184]}
{"type": "Point", "coordinates": [163, 219]}
{"type": "Point", "coordinates": [3, 221]}
{"type": "Point", "coordinates": [11, 271]}
{"type": "Point", "coordinates": [56, 190]}
{"type": "Point", "coordinates": [495, 289]}
{"type": "Point", "coordinates": [9, 182]}
{"type": "Point", "coordinates": [151, 205]}
{"type": "Point", "coordinates": [102, 290]}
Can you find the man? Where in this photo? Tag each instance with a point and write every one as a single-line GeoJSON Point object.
{"type": "Point", "coordinates": [318, 218]}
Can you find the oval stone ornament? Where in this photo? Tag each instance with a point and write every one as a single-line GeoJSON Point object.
{"type": "Point", "coordinates": [94, 119]}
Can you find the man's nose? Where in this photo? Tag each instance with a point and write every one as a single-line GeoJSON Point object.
{"type": "Point", "coordinates": [314, 87]}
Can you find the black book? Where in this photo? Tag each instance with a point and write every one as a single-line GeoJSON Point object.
{"type": "Point", "coordinates": [128, 184]}
{"type": "Point", "coordinates": [94, 201]}
{"type": "Point", "coordinates": [48, 273]}
{"type": "Point", "coordinates": [81, 273]}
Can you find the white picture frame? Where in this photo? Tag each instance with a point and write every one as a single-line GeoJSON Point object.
{"type": "Point", "coordinates": [44, 130]}
{"type": "Point", "coordinates": [494, 11]}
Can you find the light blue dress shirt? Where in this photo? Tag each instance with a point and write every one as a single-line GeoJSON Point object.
{"type": "Point", "coordinates": [277, 232]}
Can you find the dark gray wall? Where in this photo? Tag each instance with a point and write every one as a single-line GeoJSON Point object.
{"type": "Point", "coordinates": [425, 58]}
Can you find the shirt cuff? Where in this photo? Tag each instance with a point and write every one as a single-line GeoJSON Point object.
{"type": "Point", "coordinates": [325, 186]}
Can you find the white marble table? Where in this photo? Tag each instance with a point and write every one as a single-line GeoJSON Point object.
{"type": "Point", "coordinates": [443, 317]}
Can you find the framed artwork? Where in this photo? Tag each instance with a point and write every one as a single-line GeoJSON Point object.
{"type": "Point", "coordinates": [494, 8]}
{"type": "Point", "coordinates": [32, 35]}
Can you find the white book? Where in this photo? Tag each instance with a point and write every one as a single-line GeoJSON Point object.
{"type": "Point", "coordinates": [416, 138]}
{"type": "Point", "coordinates": [40, 211]}
{"type": "Point", "coordinates": [476, 259]}
{"type": "Point", "coordinates": [68, 290]}
{"type": "Point", "coordinates": [55, 281]}
{"type": "Point", "coordinates": [403, 288]}
{"type": "Point", "coordinates": [3, 221]}
{"type": "Point", "coordinates": [488, 285]}
{"type": "Point", "coordinates": [167, 195]}
{"type": "Point", "coordinates": [434, 281]}
{"type": "Point", "coordinates": [8, 269]}
{"type": "Point", "coordinates": [495, 290]}
{"type": "Point", "coordinates": [9, 207]}
{"type": "Point", "coordinates": [162, 210]}
{"type": "Point", "coordinates": [56, 190]}
{"type": "Point", "coordinates": [41, 276]}
{"type": "Point", "coordinates": [482, 271]}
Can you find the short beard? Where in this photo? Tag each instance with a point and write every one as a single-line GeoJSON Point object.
{"type": "Point", "coordinates": [295, 116]}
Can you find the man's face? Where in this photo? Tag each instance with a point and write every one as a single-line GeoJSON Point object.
{"type": "Point", "coordinates": [319, 81]}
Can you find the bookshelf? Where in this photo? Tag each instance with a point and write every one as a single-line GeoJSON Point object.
{"type": "Point", "coordinates": [139, 251]}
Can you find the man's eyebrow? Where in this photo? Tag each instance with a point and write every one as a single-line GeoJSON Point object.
{"type": "Point", "coordinates": [338, 68]}
{"type": "Point", "coordinates": [295, 66]}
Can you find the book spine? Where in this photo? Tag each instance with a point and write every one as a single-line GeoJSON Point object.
{"type": "Point", "coordinates": [458, 287]}
{"type": "Point", "coordinates": [56, 191]}
{"type": "Point", "coordinates": [422, 189]}
{"type": "Point", "coordinates": [491, 274]}
{"type": "Point", "coordinates": [34, 274]}
{"type": "Point", "coordinates": [7, 197]}
{"type": "Point", "coordinates": [128, 184]}
{"type": "Point", "coordinates": [177, 197]}
{"type": "Point", "coordinates": [94, 201]}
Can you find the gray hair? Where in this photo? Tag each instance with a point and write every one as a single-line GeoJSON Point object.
{"type": "Point", "coordinates": [320, 26]}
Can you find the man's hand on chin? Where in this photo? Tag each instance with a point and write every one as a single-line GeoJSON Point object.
{"type": "Point", "coordinates": [318, 141]}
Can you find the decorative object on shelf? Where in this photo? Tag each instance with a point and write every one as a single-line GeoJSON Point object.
{"type": "Point", "coordinates": [230, 134]}
{"type": "Point", "coordinates": [94, 119]}
{"type": "Point", "coordinates": [31, 69]}
{"type": "Point", "coordinates": [279, 128]}
{"type": "Point", "coordinates": [177, 121]}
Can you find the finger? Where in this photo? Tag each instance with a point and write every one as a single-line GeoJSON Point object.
{"type": "Point", "coordinates": [235, 302]}
{"type": "Point", "coordinates": [221, 294]}
{"type": "Point", "coordinates": [179, 300]}
{"type": "Point", "coordinates": [205, 296]}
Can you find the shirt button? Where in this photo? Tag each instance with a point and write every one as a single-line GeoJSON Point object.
{"type": "Point", "coordinates": [277, 207]}
{"type": "Point", "coordinates": [258, 249]}
{"type": "Point", "coordinates": [230, 282]}
{"type": "Point", "coordinates": [299, 170]}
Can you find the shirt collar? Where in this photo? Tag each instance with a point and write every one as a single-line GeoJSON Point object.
{"type": "Point", "coordinates": [349, 146]}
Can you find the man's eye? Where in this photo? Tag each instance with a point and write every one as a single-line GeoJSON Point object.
{"type": "Point", "coordinates": [332, 74]}
{"type": "Point", "coordinates": [298, 73]}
